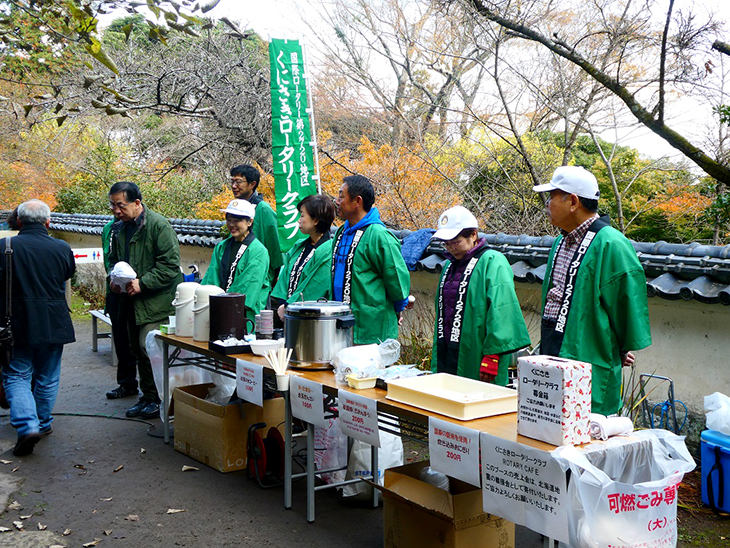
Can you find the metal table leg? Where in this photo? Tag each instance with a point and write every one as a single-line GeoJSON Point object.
{"type": "Point", "coordinates": [310, 473]}
{"type": "Point", "coordinates": [374, 472]}
{"type": "Point", "coordinates": [165, 392]}
{"type": "Point", "coordinates": [287, 450]}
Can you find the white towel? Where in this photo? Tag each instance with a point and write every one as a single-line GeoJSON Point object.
{"type": "Point", "coordinates": [603, 427]}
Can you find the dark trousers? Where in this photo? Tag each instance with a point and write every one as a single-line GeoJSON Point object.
{"type": "Point", "coordinates": [137, 335]}
{"type": "Point", "coordinates": [127, 363]}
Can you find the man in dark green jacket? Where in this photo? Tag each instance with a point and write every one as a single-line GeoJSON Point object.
{"type": "Point", "coordinates": [147, 242]}
{"type": "Point", "coordinates": [594, 292]}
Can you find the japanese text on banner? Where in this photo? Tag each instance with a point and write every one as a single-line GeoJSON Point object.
{"type": "Point", "coordinates": [291, 137]}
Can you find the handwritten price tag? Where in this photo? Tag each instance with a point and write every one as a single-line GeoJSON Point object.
{"type": "Point", "coordinates": [454, 450]}
{"type": "Point", "coordinates": [307, 401]}
{"type": "Point", "coordinates": [250, 382]}
{"type": "Point", "coordinates": [359, 417]}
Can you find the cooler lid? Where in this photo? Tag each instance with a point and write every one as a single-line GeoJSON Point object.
{"type": "Point", "coordinates": [318, 309]}
{"type": "Point", "coordinates": [718, 438]}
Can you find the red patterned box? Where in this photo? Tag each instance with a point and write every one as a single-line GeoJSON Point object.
{"type": "Point", "coordinates": [554, 402]}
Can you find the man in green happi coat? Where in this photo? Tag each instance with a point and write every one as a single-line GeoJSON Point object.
{"type": "Point", "coordinates": [595, 306]}
{"type": "Point", "coordinates": [368, 270]}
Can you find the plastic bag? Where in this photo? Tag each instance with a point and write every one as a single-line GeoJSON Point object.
{"type": "Point", "coordinates": [717, 409]}
{"type": "Point", "coordinates": [121, 274]}
{"type": "Point", "coordinates": [354, 359]}
{"type": "Point", "coordinates": [390, 454]}
{"type": "Point", "coordinates": [625, 496]}
{"type": "Point", "coordinates": [389, 351]}
{"type": "Point", "coordinates": [330, 451]}
{"type": "Point", "coordinates": [184, 375]}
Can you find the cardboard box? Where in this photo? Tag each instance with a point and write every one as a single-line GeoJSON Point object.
{"type": "Point", "coordinates": [216, 434]}
{"type": "Point", "coordinates": [416, 513]}
{"type": "Point", "coordinates": [554, 400]}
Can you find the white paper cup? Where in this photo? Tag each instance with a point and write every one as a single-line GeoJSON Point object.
{"type": "Point", "coordinates": [282, 383]}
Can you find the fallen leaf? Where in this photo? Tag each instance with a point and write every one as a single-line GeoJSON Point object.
{"type": "Point", "coordinates": [175, 510]}
{"type": "Point", "coordinates": [66, 533]}
{"type": "Point", "coordinates": [93, 511]}
{"type": "Point", "coordinates": [187, 468]}
{"type": "Point", "coordinates": [15, 505]}
{"type": "Point", "coordinates": [90, 461]}
{"type": "Point", "coordinates": [5, 529]}
{"type": "Point", "coordinates": [118, 468]}
{"type": "Point", "coordinates": [57, 546]}
{"type": "Point", "coordinates": [108, 532]}
{"type": "Point", "coordinates": [26, 517]}
{"type": "Point", "coordinates": [42, 527]}
{"type": "Point", "coordinates": [18, 525]}
{"type": "Point", "coordinates": [3, 461]}
{"type": "Point", "coordinates": [80, 466]}
{"type": "Point", "coordinates": [142, 450]}
{"type": "Point", "coordinates": [92, 543]}
{"type": "Point", "coordinates": [15, 469]}
{"type": "Point", "coordinates": [106, 500]}
{"type": "Point", "coordinates": [132, 517]}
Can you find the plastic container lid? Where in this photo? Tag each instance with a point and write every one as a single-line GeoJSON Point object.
{"type": "Point", "coordinates": [318, 309]}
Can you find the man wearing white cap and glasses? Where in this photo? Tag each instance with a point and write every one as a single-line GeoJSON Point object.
{"type": "Point", "coordinates": [594, 292]}
{"type": "Point", "coordinates": [478, 316]}
{"type": "Point", "coordinates": [240, 263]}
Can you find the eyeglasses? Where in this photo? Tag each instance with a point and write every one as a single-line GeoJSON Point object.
{"type": "Point", "coordinates": [238, 181]}
{"type": "Point", "coordinates": [118, 205]}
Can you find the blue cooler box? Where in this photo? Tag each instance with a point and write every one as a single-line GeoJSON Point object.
{"type": "Point", "coordinates": [715, 451]}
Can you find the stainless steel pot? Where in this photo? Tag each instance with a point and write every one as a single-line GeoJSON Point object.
{"type": "Point", "coordinates": [316, 331]}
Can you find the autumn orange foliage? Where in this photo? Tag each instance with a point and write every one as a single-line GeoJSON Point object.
{"type": "Point", "coordinates": [212, 209]}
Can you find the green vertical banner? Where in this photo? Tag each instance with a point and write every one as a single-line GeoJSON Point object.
{"type": "Point", "coordinates": [291, 137]}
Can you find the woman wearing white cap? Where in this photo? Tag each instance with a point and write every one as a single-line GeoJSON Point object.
{"type": "Point", "coordinates": [240, 263]}
{"type": "Point", "coordinates": [478, 316]}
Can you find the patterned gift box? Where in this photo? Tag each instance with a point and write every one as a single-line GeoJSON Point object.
{"type": "Point", "coordinates": [554, 403]}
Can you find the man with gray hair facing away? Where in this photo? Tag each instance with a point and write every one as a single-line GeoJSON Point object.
{"type": "Point", "coordinates": [40, 322]}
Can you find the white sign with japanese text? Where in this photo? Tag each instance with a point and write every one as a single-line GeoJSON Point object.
{"type": "Point", "coordinates": [307, 401]}
{"type": "Point", "coordinates": [524, 485]}
{"type": "Point", "coordinates": [358, 417]}
{"type": "Point", "coordinates": [454, 450]}
{"type": "Point", "coordinates": [250, 382]}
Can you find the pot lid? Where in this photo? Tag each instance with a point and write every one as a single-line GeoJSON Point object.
{"type": "Point", "coordinates": [318, 309]}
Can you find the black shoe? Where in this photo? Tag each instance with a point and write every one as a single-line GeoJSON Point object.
{"type": "Point", "coordinates": [47, 432]}
{"type": "Point", "coordinates": [136, 409]}
{"type": "Point", "coordinates": [121, 392]}
{"type": "Point", "coordinates": [25, 444]}
{"type": "Point", "coordinates": [152, 411]}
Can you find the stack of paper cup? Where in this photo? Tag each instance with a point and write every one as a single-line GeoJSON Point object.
{"type": "Point", "coordinates": [266, 327]}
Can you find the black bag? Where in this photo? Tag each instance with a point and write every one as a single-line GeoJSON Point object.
{"type": "Point", "coordinates": [6, 332]}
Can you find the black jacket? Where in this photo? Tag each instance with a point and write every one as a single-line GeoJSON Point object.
{"type": "Point", "coordinates": [41, 265]}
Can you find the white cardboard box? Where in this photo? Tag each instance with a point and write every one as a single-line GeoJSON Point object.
{"type": "Point", "coordinates": [554, 399]}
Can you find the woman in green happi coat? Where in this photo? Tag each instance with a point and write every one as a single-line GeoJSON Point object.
{"type": "Point", "coordinates": [306, 275]}
{"type": "Point", "coordinates": [478, 317]}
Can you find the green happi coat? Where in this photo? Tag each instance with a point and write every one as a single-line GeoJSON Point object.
{"type": "Point", "coordinates": [380, 278]}
{"type": "Point", "coordinates": [316, 278]}
{"type": "Point", "coordinates": [492, 322]}
{"type": "Point", "coordinates": [266, 231]}
{"type": "Point", "coordinates": [609, 313]}
{"type": "Point", "coordinates": [251, 275]}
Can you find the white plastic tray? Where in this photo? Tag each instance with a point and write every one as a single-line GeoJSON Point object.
{"type": "Point", "coordinates": [455, 397]}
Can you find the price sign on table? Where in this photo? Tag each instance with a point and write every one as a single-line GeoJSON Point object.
{"type": "Point", "coordinates": [454, 450]}
{"type": "Point", "coordinates": [524, 485]}
{"type": "Point", "coordinates": [250, 382]}
{"type": "Point", "coordinates": [359, 417]}
{"type": "Point", "coordinates": [307, 401]}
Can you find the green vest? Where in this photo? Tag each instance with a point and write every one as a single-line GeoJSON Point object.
{"type": "Point", "coordinates": [492, 322]}
{"type": "Point", "coordinates": [267, 233]}
{"type": "Point", "coordinates": [250, 278]}
{"type": "Point", "coordinates": [379, 279]}
{"type": "Point", "coordinates": [609, 313]}
{"type": "Point", "coordinates": [315, 280]}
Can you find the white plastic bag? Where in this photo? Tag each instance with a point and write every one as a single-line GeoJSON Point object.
{"type": "Point", "coordinates": [121, 274]}
{"type": "Point", "coordinates": [353, 359]}
{"type": "Point", "coordinates": [390, 454]}
{"type": "Point", "coordinates": [626, 497]}
{"type": "Point", "coordinates": [717, 409]}
{"type": "Point", "coordinates": [184, 375]}
{"type": "Point", "coordinates": [330, 450]}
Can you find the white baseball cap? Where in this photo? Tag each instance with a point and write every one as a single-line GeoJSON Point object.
{"type": "Point", "coordinates": [572, 180]}
{"type": "Point", "coordinates": [241, 208]}
{"type": "Point", "coordinates": [453, 221]}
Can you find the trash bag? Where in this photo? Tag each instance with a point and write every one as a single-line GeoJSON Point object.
{"type": "Point", "coordinates": [390, 454]}
{"type": "Point", "coordinates": [717, 409]}
{"type": "Point", "coordinates": [625, 496]}
{"type": "Point", "coordinates": [330, 451]}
